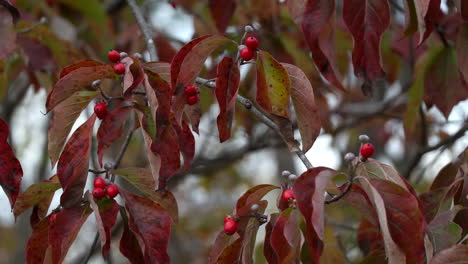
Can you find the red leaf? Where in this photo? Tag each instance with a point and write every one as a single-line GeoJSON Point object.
{"type": "Point", "coordinates": [165, 50]}
{"type": "Point", "coordinates": [38, 243]}
{"type": "Point", "coordinates": [231, 253]}
{"type": "Point", "coordinates": [129, 246]}
{"type": "Point", "coordinates": [443, 85]}
{"type": "Point", "coordinates": [227, 86]}
{"type": "Point", "coordinates": [315, 18]}
{"type": "Point", "coordinates": [166, 145]}
{"type": "Point", "coordinates": [64, 229]}
{"type": "Point", "coordinates": [464, 10]}
{"type": "Point", "coordinates": [163, 69]}
{"type": "Point", "coordinates": [309, 190]}
{"type": "Point", "coordinates": [219, 246]}
{"type": "Point", "coordinates": [39, 56]}
{"type": "Point", "coordinates": [186, 143]}
{"type": "Point", "coordinates": [142, 179]}
{"type": "Point", "coordinates": [11, 172]}
{"type": "Point", "coordinates": [369, 237]}
{"type": "Point", "coordinates": [307, 112]}
{"type": "Point", "coordinates": [268, 251]}
{"type": "Point", "coordinates": [7, 31]}
{"type": "Point", "coordinates": [152, 224]}
{"type": "Point", "coordinates": [401, 221]}
{"type": "Point", "coordinates": [106, 215]}
{"type": "Point", "coordinates": [111, 129]}
{"type": "Point", "coordinates": [454, 255]}
{"type": "Point", "coordinates": [358, 199]}
{"type": "Point", "coordinates": [72, 168]}
{"type": "Point", "coordinates": [250, 234]}
{"type": "Point", "coordinates": [222, 11]}
{"type": "Point", "coordinates": [80, 64]}
{"type": "Point", "coordinates": [75, 81]}
{"type": "Point", "coordinates": [35, 194]}
{"type": "Point", "coordinates": [62, 120]}
{"type": "Point", "coordinates": [250, 197]}
{"type": "Point", "coordinates": [367, 20]}
{"type": "Point", "coordinates": [433, 15]}
{"type": "Point", "coordinates": [286, 237]}
{"type": "Point", "coordinates": [133, 76]}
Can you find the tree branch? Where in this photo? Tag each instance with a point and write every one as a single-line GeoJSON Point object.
{"type": "Point", "coordinates": [145, 29]}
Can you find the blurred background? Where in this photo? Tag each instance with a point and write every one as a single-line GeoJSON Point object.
{"type": "Point", "coordinates": [255, 155]}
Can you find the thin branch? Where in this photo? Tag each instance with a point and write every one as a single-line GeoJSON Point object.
{"type": "Point", "coordinates": [145, 29]}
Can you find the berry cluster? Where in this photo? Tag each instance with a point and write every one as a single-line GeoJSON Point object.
{"type": "Point", "coordinates": [114, 57]}
{"type": "Point", "coordinates": [230, 225]}
{"type": "Point", "coordinates": [192, 94]}
{"type": "Point", "coordinates": [101, 189]}
{"type": "Point", "coordinates": [100, 109]}
{"type": "Point", "coordinates": [248, 52]}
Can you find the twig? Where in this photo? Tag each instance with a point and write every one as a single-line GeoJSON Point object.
{"type": "Point", "coordinates": [145, 29]}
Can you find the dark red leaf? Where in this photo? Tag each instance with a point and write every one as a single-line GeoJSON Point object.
{"type": "Point", "coordinates": [165, 50]}
{"type": "Point", "coordinates": [152, 224]}
{"type": "Point", "coordinates": [111, 129]}
{"type": "Point", "coordinates": [316, 20]}
{"type": "Point", "coordinates": [129, 246]}
{"type": "Point", "coordinates": [358, 199]}
{"type": "Point", "coordinates": [75, 81]}
{"type": "Point", "coordinates": [446, 176]}
{"type": "Point", "coordinates": [64, 229]}
{"type": "Point", "coordinates": [307, 112]}
{"type": "Point", "coordinates": [367, 20]}
{"type": "Point", "coordinates": [286, 237]}
{"type": "Point", "coordinates": [133, 76]}
{"type": "Point", "coordinates": [7, 31]}
{"type": "Point", "coordinates": [250, 197]}
{"type": "Point", "coordinates": [401, 221]}
{"type": "Point", "coordinates": [163, 69]}
{"type": "Point", "coordinates": [62, 120]}
{"type": "Point", "coordinates": [231, 253]}
{"type": "Point", "coordinates": [438, 200]}
{"type": "Point", "coordinates": [80, 64]}
{"type": "Point", "coordinates": [464, 10]}
{"type": "Point", "coordinates": [309, 190]}
{"type": "Point", "coordinates": [186, 143]}
{"type": "Point", "coordinates": [72, 168]}
{"type": "Point", "coordinates": [227, 86]}
{"type": "Point", "coordinates": [222, 11]}
{"type": "Point", "coordinates": [455, 255]}
{"type": "Point", "coordinates": [39, 56]}
{"type": "Point", "coordinates": [368, 237]}
{"type": "Point", "coordinates": [221, 243]}
{"type": "Point", "coordinates": [166, 145]}
{"type": "Point", "coordinates": [142, 179]}
{"type": "Point", "coordinates": [38, 243]}
{"type": "Point", "coordinates": [11, 172]}
{"type": "Point", "coordinates": [35, 194]}
{"type": "Point", "coordinates": [268, 251]}
{"type": "Point", "coordinates": [433, 15]}
{"type": "Point", "coordinates": [416, 12]}
{"type": "Point", "coordinates": [106, 211]}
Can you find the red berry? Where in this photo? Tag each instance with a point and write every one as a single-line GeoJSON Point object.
{"type": "Point", "coordinates": [367, 150]}
{"type": "Point", "coordinates": [251, 42]}
{"type": "Point", "coordinates": [99, 183]}
{"type": "Point", "coordinates": [230, 226]}
{"type": "Point", "coordinates": [190, 90]}
{"type": "Point", "coordinates": [112, 191]}
{"type": "Point", "coordinates": [98, 193]}
{"type": "Point", "coordinates": [119, 68]}
{"type": "Point", "coordinates": [227, 218]}
{"type": "Point", "coordinates": [191, 100]}
{"type": "Point", "coordinates": [100, 109]}
{"type": "Point", "coordinates": [288, 195]}
{"type": "Point", "coordinates": [113, 56]}
{"type": "Point", "coordinates": [247, 54]}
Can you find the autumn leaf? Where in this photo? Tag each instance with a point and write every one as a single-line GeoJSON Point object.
{"type": "Point", "coordinates": [62, 120]}
{"type": "Point", "coordinates": [73, 164]}
{"type": "Point", "coordinates": [105, 211]}
{"type": "Point", "coordinates": [152, 223]}
{"type": "Point", "coordinates": [75, 81]}
{"type": "Point", "coordinates": [129, 246]}
{"type": "Point", "coordinates": [285, 237]}
{"type": "Point", "coordinates": [35, 194]}
{"type": "Point", "coordinates": [11, 172]}
{"type": "Point", "coordinates": [454, 255]}
{"type": "Point", "coordinates": [309, 191]}
{"type": "Point", "coordinates": [111, 129]}
{"type": "Point", "coordinates": [186, 143]}
{"type": "Point", "coordinates": [227, 86]}
{"type": "Point", "coordinates": [307, 112]}
{"type": "Point", "coordinates": [64, 228]}
{"type": "Point", "coordinates": [77, 65]}
{"type": "Point", "coordinates": [133, 75]}
{"type": "Point", "coordinates": [367, 20]}
{"type": "Point", "coordinates": [38, 242]}
{"type": "Point", "coordinates": [222, 11]}
{"type": "Point", "coordinates": [163, 69]}
{"type": "Point", "coordinates": [315, 18]}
